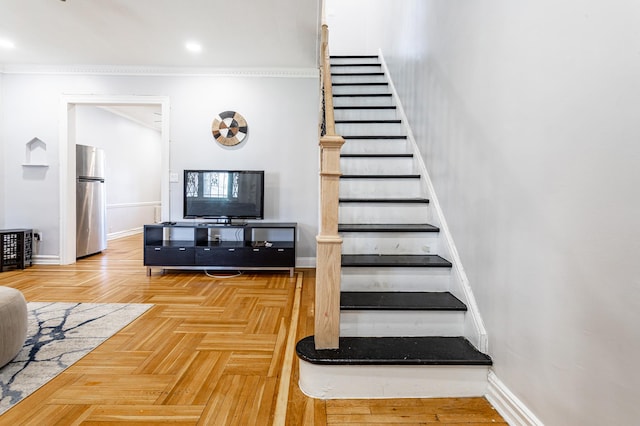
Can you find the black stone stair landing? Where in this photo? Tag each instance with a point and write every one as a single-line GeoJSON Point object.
{"type": "Point", "coordinates": [430, 350]}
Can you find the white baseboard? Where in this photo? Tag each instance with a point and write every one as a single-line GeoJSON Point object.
{"type": "Point", "coordinates": [46, 260]}
{"type": "Point", "coordinates": [508, 405]}
{"type": "Point", "coordinates": [305, 262]}
{"type": "Point", "coordinates": [125, 233]}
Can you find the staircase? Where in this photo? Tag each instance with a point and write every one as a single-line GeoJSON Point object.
{"type": "Point", "coordinates": [404, 321]}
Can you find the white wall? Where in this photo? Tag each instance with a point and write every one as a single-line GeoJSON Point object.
{"type": "Point", "coordinates": [527, 115]}
{"type": "Point", "coordinates": [281, 111]}
{"type": "Point", "coordinates": [133, 166]}
{"type": "Point", "coordinates": [2, 144]}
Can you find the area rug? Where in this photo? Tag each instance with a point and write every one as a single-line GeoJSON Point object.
{"type": "Point", "coordinates": [59, 334]}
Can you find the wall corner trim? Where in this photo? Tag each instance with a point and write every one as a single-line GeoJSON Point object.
{"type": "Point", "coordinates": [508, 405]}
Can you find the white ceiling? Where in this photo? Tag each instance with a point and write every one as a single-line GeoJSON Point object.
{"type": "Point", "coordinates": [153, 33]}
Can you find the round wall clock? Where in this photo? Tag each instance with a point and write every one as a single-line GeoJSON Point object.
{"type": "Point", "coordinates": [229, 128]}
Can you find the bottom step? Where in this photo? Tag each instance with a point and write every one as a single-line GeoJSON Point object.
{"type": "Point", "coordinates": [393, 367]}
{"type": "Point", "coordinates": [430, 350]}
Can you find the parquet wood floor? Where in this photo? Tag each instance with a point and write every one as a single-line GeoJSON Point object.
{"type": "Point", "coordinates": [210, 352]}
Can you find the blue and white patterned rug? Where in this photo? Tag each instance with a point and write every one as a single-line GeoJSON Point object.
{"type": "Point", "coordinates": [60, 334]}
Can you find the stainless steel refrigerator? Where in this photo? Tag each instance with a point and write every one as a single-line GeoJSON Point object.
{"type": "Point", "coordinates": [91, 211]}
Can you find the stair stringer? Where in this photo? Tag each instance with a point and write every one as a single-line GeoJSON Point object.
{"type": "Point", "coordinates": [474, 329]}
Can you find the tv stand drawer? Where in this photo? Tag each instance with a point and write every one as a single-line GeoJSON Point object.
{"type": "Point", "coordinates": [169, 256]}
{"type": "Point", "coordinates": [271, 256]}
{"type": "Point", "coordinates": [208, 256]}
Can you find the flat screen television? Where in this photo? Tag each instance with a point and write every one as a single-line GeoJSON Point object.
{"type": "Point", "coordinates": [224, 194]}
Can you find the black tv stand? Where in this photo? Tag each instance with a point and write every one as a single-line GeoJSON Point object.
{"type": "Point", "coordinates": [220, 246]}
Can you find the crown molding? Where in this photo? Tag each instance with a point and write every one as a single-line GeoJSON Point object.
{"type": "Point", "coordinates": [129, 70]}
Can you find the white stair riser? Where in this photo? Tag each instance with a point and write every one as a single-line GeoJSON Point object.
{"type": "Point", "coordinates": [390, 243]}
{"type": "Point", "coordinates": [392, 381]}
{"type": "Point", "coordinates": [362, 101]}
{"type": "Point", "coordinates": [352, 89]}
{"type": "Point", "coordinates": [383, 213]}
{"type": "Point", "coordinates": [370, 129]}
{"type": "Point", "coordinates": [395, 279]}
{"type": "Point", "coordinates": [350, 69]}
{"type": "Point", "coordinates": [357, 60]}
{"type": "Point", "coordinates": [357, 78]}
{"type": "Point", "coordinates": [401, 323]}
{"type": "Point", "coordinates": [376, 166]}
{"type": "Point", "coordinates": [365, 114]}
{"type": "Point", "coordinates": [364, 188]}
{"type": "Point", "coordinates": [376, 146]}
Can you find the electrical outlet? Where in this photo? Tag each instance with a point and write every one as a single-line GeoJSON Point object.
{"type": "Point", "coordinates": [37, 236]}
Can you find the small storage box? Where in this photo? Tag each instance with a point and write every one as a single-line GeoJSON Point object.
{"type": "Point", "coordinates": [16, 248]}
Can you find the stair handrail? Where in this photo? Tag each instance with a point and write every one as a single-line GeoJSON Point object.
{"type": "Point", "coordinates": [330, 124]}
{"type": "Point", "coordinates": [328, 241]}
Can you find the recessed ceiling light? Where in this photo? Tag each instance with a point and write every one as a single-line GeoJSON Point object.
{"type": "Point", "coordinates": [6, 44]}
{"type": "Point", "coordinates": [193, 46]}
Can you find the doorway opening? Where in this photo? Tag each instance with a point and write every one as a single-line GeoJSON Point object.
{"type": "Point", "coordinates": [67, 159]}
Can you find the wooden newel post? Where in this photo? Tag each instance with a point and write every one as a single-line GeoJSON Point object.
{"type": "Point", "coordinates": [329, 247]}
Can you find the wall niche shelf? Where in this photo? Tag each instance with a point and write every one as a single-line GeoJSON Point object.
{"type": "Point", "coordinates": [36, 153]}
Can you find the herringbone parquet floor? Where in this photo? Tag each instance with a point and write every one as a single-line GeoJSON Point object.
{"type": "Point", "coordinates": [209, 352]}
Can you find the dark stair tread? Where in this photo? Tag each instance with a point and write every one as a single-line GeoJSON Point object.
{"type": "Point", "coordinates": [384, 227]}
{"type": "Point", "coordinates": [424, 350]}
{"type": "Point", "coordinates": [385, 200]}
{"type": "Point", "coordinates": [358, 64]}
{"type": "Point", "coordinates": [352, 56]}
{"type": "Point", "coordinates": [376, 155]}
{"type": "Point", "coordinates": [346, 74]}
{"type": "Point", "coordinates": [364, 83]}
{"type": "Point", "coordinates": [400, 301]}
{"type": "Point", "coordinates": [361, 95]}
{"type": "Point", "coordinates": [365, 107]}
{"type": "Point", "coordinates": [395, 260]}
{"type": "Point", "coordinates": [374, 137]}
{"type": "Point", "coordinates": [380, 177]}
{"type": "Point", "coordinates": [393, 121]}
